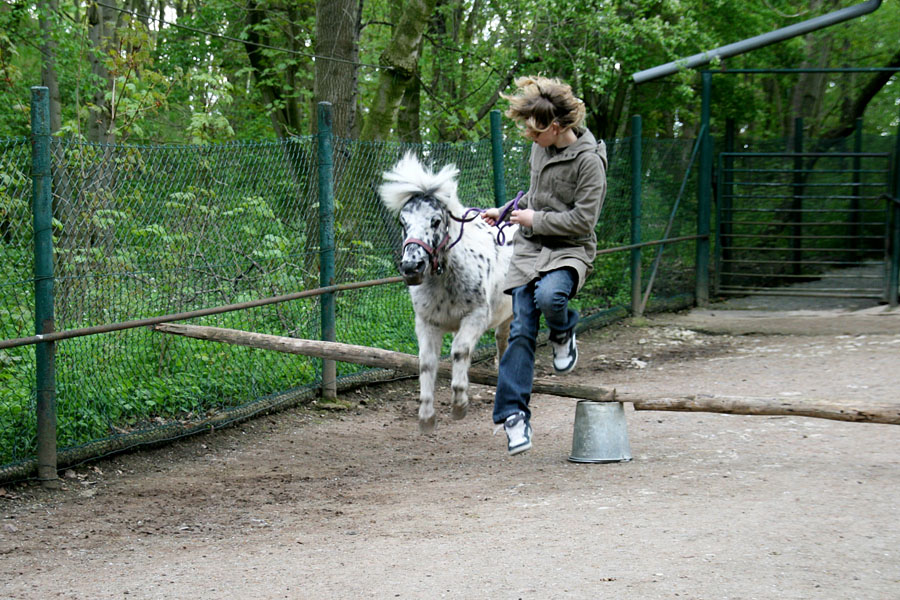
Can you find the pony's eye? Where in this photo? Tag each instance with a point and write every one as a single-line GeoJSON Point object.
{"type": "Point", "coordinates": [435, 222]}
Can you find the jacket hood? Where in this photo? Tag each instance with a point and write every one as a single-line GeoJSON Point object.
{"type": "Point", "coordinates": [586, 142]}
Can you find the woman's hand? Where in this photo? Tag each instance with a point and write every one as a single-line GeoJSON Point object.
{"type": "Point", "coordinates": [491, 215]}
{"type": "Point", "coordinates": [524, 217]}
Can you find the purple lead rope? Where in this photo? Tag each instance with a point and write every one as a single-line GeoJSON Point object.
{"type": "Point", "coordinates": [501, 221]}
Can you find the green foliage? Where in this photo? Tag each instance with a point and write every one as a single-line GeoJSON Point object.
{"type": "Point", "coordinates": [173, 82]}
{"type": "Point", "coordinates": [15, 212]}
{"type": "Point", "coordinates": [609, 284]}
{"type": "Point", "coordinates": [17, 64]}
{"type": "Point", "coordinates": [211, 123]}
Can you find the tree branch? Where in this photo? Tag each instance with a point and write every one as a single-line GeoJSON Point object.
{"type": "Point", "coordinates": [504, 83]}
{"type": "Point", "coordinates": [858, 107]}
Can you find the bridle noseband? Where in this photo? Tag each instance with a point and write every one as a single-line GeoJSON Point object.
{"type": "Point", "coordinates": [431, 252]}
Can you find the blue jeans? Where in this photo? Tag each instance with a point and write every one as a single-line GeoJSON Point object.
{"type": "Point", "coordinates": [548, 296]}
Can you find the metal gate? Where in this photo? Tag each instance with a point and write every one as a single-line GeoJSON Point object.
{"type": "Point", "coordinates": [791, 217]}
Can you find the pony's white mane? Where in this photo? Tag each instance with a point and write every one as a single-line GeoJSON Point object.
{"type": "Point", "coordinates": [410, 177]}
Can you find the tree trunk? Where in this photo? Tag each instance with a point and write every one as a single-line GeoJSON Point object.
{"type": "Point", "coordinates": [408, 115]}
{"type": "Point", "coordinates": [400, 59]}
{"type": "Point", "coordinates": [101, 32]}
{"type": "Point", "coordinates": [286, 113]}
{"type": "Point", "coordinates": [854, 107]}
{"type": "Point", "coordinates": [337, 37]}
{"type": "Point", "coordinates": [809, 89]}
{"type": "Point", "coordinates": [48, 66]}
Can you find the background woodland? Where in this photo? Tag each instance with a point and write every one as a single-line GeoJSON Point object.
{"type": "Point", "coordinates": [183, 71]}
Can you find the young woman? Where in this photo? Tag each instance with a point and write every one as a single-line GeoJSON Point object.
{"type": "Point", "coordinates": [555, 245]}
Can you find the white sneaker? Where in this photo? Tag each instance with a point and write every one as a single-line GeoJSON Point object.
{"type": "Point", "coordinates": [518, 433]}
{"type": "Point", "coordinates": [565, 354]}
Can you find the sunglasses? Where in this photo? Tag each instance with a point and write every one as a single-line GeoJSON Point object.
{"type": "Point", "coordinates": [532, 133]}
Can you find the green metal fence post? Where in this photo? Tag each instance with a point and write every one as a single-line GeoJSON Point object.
{"type": "Point", "coordinates": [636, 170]}
{"type": "Point", "coordinates": [704, 195]}
{"type": "Point", "coordinates": [326, 242]}
{"type": "Point", "coordinates": [721, 235]}
{"type": "Point", "coordinates": [497, 159]}
{"type": "Point", "coordinates": [797, 203]}
{"type": "Point", "coordinates": [45, 352]}
{"type": "Point", "coordinates": [855, 230]}
{"type": "Point", "coordinates": [724, 214]}
{"type": "Point", "coordinates": [894, 275]}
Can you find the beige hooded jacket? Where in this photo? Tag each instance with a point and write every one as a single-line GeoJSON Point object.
{"type": "Point", "coordinates": [566, 191]}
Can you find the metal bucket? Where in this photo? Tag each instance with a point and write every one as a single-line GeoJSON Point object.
{"type": "Point", "coordinates": [600, 434]}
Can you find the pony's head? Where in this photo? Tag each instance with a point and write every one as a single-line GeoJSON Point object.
{"type": "Point", "coordinates": [424, 202]}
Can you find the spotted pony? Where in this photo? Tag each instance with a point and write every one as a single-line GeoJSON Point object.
{"type": "Point", "coordinates": [454, 269]}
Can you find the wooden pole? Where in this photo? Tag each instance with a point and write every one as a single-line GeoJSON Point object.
{"type": "Point", "coordinates": [768, 405]}
{"type": "Point", "coordinates": [386, 359]}
{"type": "Point", "coordinates": [372, 357]}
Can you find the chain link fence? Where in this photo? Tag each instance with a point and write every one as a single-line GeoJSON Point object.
{"type": "Point", "coordinates": [17, 369]}
{"type": "Point", "coordinates": [142, 231]}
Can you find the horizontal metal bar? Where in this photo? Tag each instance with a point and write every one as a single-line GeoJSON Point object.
{"type": "Point", "coordinates": [764, 249]}
{"type": "Point", "coordinates": [772, 236]}
{"type": "Point", "coordinates": [807, 154]}
{"type": "Point", "coordinates": [846, 263]}
{"type": "Point", "coordinates": [804, 223]}
{"type": "Point", "coordinates": [807, 276]}
{"type": "Point", "coordinates": [830, 171]}
{"type": "Point", "coordinates": [203, 312]}
{"type": "Point", "coordinates": [808, 210]}
{"type": "Point", "coordinates": [653, 243]}
{"type": "Point", "coordinates": [866, 294]}
{"type": "Point", "coordinates": [801, 197]}
{"type": "Point", "coordinates": [810, 185]}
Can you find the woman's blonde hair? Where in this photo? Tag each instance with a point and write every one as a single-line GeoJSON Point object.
{"type": "Point", "coordinates": [541, 101]}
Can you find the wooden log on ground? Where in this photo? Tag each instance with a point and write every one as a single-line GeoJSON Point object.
{"type": "Point", "coordinates": [768, 405]}
{"type": "Point", "coordinates": [386, 359]}
{"type": "Point", "coordinates": [372, 357]}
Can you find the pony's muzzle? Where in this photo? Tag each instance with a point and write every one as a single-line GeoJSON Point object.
{"type": "Point", "coordinates": [413, 265]}
{"type": "Point", "coordinates": [413, 272]}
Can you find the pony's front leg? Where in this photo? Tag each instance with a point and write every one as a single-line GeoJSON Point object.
{"type": "Point", "coordinates": [430, 339]}
{"type": "Point", "coordinates": [470, 330]}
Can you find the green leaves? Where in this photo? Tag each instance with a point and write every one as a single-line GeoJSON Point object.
{"type": "Point", "coordinates": [252, 70]}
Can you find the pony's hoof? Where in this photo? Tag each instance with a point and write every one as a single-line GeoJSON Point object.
{"type": "Point", "coordinates": [426, 426]}
{"type": "Point", "coordinates": [460, 411]}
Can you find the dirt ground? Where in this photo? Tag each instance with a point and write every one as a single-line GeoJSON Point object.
{"type": "Point", "coordinates": [311, 504]}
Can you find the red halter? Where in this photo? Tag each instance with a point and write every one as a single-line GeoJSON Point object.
{"type": "Point", "coordinates": [432, 252]}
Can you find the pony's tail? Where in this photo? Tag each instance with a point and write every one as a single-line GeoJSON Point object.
{"type": "Point", "coordinates": [410, 177]}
